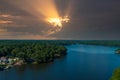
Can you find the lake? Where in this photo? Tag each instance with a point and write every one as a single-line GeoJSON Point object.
{"type": "Point", "coordinates": [83, 62]}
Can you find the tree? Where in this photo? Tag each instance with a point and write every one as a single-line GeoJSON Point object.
{"type": "Point", "coordinates": [116, 75]}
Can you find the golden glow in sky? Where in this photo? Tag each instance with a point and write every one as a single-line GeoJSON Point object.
{"type": "Point", "coordinates": [55, 22]}
{"type": "Point", "coordinates": [58, 21]}
{"type": "Point", "coordinates": [45, 10]}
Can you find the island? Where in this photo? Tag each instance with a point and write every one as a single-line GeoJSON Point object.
{"type": "Point", "coordinates": [14, 53]}
{"type": "Point", "coordinates": [117, 51]}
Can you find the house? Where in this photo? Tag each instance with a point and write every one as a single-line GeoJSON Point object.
{"type": "Point", "coordinates": [3, 60]}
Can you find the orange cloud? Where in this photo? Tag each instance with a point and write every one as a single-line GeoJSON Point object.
{"type": "Point", "coordinates": [8, 16]}
{"type": "Point", "coordinates": [5, 15]}
{"type": "Point", "coordinates": [5, 22]}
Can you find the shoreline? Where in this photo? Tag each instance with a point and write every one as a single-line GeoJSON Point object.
{"type": "Point", "coordinates": [22, 62]}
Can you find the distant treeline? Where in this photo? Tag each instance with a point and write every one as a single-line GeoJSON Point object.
{"type": "Point", "coordinates": [101, 42]}
{"type": "Point", "coordinates": [65, 42]}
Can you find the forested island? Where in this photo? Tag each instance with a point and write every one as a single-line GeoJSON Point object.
{"type": "Point", "coordinates": [35, 52]}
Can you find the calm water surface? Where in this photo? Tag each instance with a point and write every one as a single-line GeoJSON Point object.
{"type": "Point", "coordinates": [83, 62]}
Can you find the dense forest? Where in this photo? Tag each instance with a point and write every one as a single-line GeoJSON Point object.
{"type": "Point", "coordinates": [32, 51]}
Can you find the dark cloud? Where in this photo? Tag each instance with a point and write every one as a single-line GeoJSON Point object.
{"type": "Point", "coordinates": [93, 19]}
{"type": "Point", "coordinates": [90, 19]}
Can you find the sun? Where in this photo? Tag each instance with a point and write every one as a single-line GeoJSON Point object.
{"type": "Point", "coordinates": [55, 22]}
{"type": "Point", "coordinates": [58, 21]}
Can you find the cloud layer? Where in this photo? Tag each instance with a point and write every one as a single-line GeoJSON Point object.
{"type": "Point", "coordinates": [90, 19]}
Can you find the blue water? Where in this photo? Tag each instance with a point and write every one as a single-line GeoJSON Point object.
{"type": "Point", "coordinates": [83, 62]}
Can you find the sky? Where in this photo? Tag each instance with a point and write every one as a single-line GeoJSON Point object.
{"type": "Point", "coordinates": [89, 19]}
